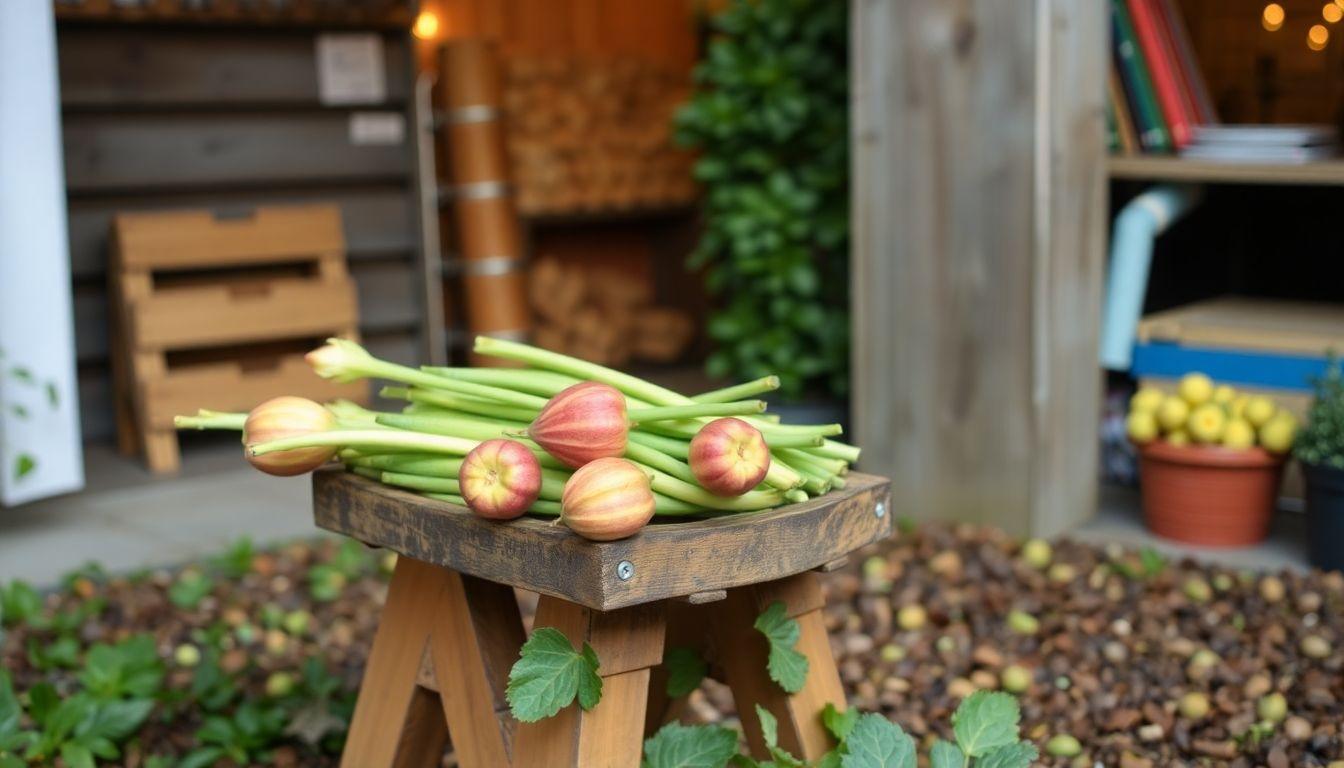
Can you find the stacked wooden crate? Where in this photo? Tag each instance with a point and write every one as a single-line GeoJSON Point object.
{"type": "Point", "coordinates": [218, 313]}
{"type": "Point", "coordinates": [589, 135]}
{"type": "Point", "coordinates": [222, 118]}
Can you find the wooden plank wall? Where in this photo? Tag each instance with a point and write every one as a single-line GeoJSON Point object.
{"type": "Point", "coordinates": [227, 119]}
{"type": "Point", "coordinates": [978, 238]}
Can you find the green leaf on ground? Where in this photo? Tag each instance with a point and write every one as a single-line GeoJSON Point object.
{"type": "Point", "coordinates": [985, 720]}
{"type": "Point", "coordinates": [129, 668]}
{"type": "Point", "coordinates": [190, 589]}
{"type": "Point", "coordinates": [1018, 755]}
{"type": "Point", "coordinates": [876, 742]}
{"type": "Point", "coordinates": [837, 722]}
{"type": "Point", "coordinates": [685, 671]}
{"type": "Point", "coordinates": [549, 674]}
{"type": "Point", "coordinates": [786, 666]}
{"type": "Point", "coordinates": [770, 733]}
{"type": "Point", "coordinates": [690, 746]}
{"type": "Point", "coordinates": [19, 604]}
{"type": "Point", "coordinates": [946, 755]}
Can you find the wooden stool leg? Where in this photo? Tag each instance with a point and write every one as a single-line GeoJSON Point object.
{"type": "Point", "coordinates": [687, 627]}
{"type": "Point", "coordinates": [628, 642]}
{"type": "Point", "coordinates": [469, 631]}
{"type": "Point", "coordinates": [743, 653]}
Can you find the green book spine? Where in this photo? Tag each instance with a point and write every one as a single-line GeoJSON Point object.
{"type": "Point", "coordinates": [1154, 134]}
{"type": "Point", "coordinates": [1112, 135]}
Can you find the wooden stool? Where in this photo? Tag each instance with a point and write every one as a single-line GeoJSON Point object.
{"type": "Point", "coordinates": [451, 629]}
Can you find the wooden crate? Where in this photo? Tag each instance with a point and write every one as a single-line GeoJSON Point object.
{"type": "Point", "coordinates": [216, 313]}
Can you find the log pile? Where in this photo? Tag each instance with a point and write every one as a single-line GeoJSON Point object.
{"type": "Point", "coordinates": [602, 316]}
{"type": "Point", "coordinates": [595, 135]}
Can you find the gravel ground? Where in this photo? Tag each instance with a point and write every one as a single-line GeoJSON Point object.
{"type": "Point", "coordinates": [1145, 662]}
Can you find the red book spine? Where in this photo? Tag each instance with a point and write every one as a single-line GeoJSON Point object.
{"type": "Point", "coordinates": [1161, 9]}
{"type": "Point", "coordinates": [1166, 81]}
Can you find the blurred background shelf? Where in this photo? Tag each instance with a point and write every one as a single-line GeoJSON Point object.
{"type": "Point", "coordinates": [1168, 168]}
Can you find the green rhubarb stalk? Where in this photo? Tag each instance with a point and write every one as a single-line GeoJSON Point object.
{"type": "Point", "coordinates": [462, 427]}
{"type": "Point", "coordinates": [572, 366]}
{"type": "Point", "coordinates": [369, 438]}
{"type": "Point", "coordinates": [345, 361]}
{"type": "Point", "coordinates": [835, 449]}
{"type": "Point", "coordinates": [422, 483]}
{"type": "Point", "coordinates": [695, 410]}
{"type": "Point", "coordinates": [739, 391]}
{"type": "Point", "coordinates": [531, 381]}
{"type": "Point", "coordinates": [552, 480]}
{"type": "Point", "coordinates": [694, 494]}
{"type": "Point", "coordinates": [817, 464]}
{"type": "Point", "coordinates": [205, 419]}
{"type": "Point", "coordinates": [457, 402]}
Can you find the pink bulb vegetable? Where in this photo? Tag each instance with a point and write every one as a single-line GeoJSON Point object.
{"type": "Point", "coordinates": [499, 479]}
{"type": "Point", "coordinates": [729, 457]}
{"type": "Point", "coordinates": [607, 499]}
{"type": "Point", "coordinates": [282, 417]}
{"type": "Point", "coordinates": [582, 423]}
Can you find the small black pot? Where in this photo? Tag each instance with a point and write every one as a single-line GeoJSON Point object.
{"type": "Point", "coordinates": [1325, 516]}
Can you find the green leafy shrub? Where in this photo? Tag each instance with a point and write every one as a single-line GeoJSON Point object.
{"type": "Point", "coordinates": [770, 118]}
{"type": "Point", "coordinates": [1321, 441]}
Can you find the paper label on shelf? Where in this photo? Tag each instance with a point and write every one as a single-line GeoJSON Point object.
{"type": "Point", "coordinates": [350, 69]}
{"type": "Point", "coordinates": [377, 128]}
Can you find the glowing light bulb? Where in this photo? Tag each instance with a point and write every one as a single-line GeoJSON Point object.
{"type": "Point", "coordinates": [1272, 17]}
{"type": "Point", "coordinates": [426, 26]}
{"type": "Point", "coordinates": [1317, 37]}
{"type": "Point", "coordinates": [1332, 13]}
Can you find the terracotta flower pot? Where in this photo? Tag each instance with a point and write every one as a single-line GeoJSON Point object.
{"type": "Point", "coordinates": [1208, 495]}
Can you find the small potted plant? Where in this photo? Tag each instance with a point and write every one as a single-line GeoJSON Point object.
{"type": "Point", "coordinates": [1210, 461]}
{"type": "Point", "coordinates": [1320, 448]}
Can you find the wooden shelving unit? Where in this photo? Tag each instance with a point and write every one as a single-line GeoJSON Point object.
{"type": "Point", "coordinates": [1168, 168]}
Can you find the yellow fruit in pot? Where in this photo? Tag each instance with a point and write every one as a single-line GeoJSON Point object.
{"type": "Point", "coordinates": [1277, 435]}
{"type": "Point", "coordinates": [1259, 410]}
{"type": "Point", "coordinates": [1179, 437]}
{"type": "Point", "coordinates": [1173, 412]}
{"type": "Point", "coordinates": [1146, 400]}
{"type": "Point", "coordinates": [1239, 434]}
{"type": "Point", "coordinates": [1141, 426]}
{"type": "Point", "coordinates": [1224, 394]}
{"type": "Point", "coordinates": [1195, 388]}
{"type": "Point", "coordinates": [1207, 423]}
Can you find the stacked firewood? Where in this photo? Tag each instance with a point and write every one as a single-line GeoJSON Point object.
{"type": "Point", "coordinates": [603, 316]}
{"type": "Point", "coordinates": [595, 135]}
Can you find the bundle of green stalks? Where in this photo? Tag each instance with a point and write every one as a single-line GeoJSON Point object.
{"type": "Point", "coordinates": [449, 411]}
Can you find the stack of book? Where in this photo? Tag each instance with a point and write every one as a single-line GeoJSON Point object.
{"type": "Point", "coordinates": [1157, 95]}
{"type": "Point", "coordinates": [1262, 143]}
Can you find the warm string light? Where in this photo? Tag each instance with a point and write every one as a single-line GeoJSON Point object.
{"type": "Point", "coordinates": [1332, 13]}
{"type": "Point", "coordinates": [426, 26]}
{"type": "Point", "coordinates": [1272, 17]}
{"type": "Point", "coordinates": [1317, 37]}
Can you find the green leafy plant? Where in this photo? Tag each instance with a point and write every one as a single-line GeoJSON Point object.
{"type": "Point", "coordinates": [80, 729]}
{"type": "Point", "coordinates": [190, 588]}
{"type": "Point", "coordinates": [690, 746]}
{"type": "Point", "coordinates": [319, 708]}
{"type": "Point", "coordinates": [13, 739]}
{"type": "Point", "coordinates": [984, 727]}
{"type": "Point", "coordinates": [685, 671]}
{"type": "Point", "coordinates": [236, 561]}
{"type": "Point", "coordinates": [244, 738]}
{"type": "Point", "coordinates": [131, 668]}
{"type": "Point", "coordinates": [19, 604]}
{"type": "Point", "coordinates": [1321, 441]}
{"type": "Point", "coordinates": [327, 580]}
{"type": "Point", "coordinates": [786, 666]}
{"type": "Point", "coordinates": [549, 674]}
{"type": "Point", "coordinates": [770, 119]}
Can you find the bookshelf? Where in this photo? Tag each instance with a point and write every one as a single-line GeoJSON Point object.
{"type": "Point", "coordinates": [1171, 168]}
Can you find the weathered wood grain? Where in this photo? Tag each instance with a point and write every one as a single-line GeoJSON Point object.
{"type": "Point", "coordinates": [669, 560]}
{"type": "Point", "coordinates": [978, 182]}
{"type": "Point", "coordinates": [117, 67]}
{"type": "Point", "coordinates": [163, 151]}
